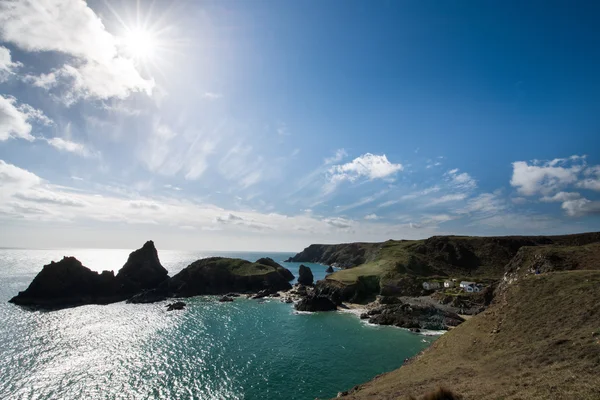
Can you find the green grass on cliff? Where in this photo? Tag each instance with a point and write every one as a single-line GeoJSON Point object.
{"type": "Point", "coordinates": [539, 340]}
{"type": "Point", "coordinates": [241, 267]}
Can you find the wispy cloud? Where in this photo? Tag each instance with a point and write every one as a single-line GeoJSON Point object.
{"type": "Point", "coordinates": [71, 147]}
{"type": "Point", "coordinates": [212, 95]}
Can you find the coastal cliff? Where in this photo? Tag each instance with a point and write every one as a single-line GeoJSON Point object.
{"type": "Point", "coordinates": [548, 322]}
{"type": "Point", "coordinates": [545, 315]}
{"type": "Point", "coordinates": [400, 267]}
{"type": "Point", "coordinates": [344, 255]}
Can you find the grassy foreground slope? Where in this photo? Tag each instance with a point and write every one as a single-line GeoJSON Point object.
{"type": "Point", "coordinates": [539, 340]}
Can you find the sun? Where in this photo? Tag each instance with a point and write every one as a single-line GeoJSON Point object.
{"type": "Point", "coordinates": [140, 44]}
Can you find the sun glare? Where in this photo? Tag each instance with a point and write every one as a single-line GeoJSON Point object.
{"type": "Point", "coordinates": [140, 44]}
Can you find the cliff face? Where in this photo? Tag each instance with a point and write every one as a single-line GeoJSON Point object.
{"type": "Point", "coordinates": [344, 255]}
{"type": "Point", "coordinates": [401, 266]}
{"type": "Point", "coordinates": [542, 333]}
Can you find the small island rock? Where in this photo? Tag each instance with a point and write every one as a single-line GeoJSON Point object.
{"type": "Point", "coordinates": [178, 305]}
{"type": "Point", "coordinates": [306, 276]}
{"type": "Point", "coordinates": [314, 303]}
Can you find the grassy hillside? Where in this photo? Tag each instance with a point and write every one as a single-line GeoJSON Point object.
{"type": "Point", "coordinates": [540, 340]}
{"type": "Point", "coordinates": [457, 256]}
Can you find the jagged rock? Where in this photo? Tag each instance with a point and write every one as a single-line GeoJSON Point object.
{"type": "Point", "coordinates": [178, 305]}
{"type": "Point", "coordinates": [389, 300]}
{"type": "Point", "coordinates": [275, 295]}
{"type": "Point", "coordinates": [315, 303]}
{"type": "Point", "coordinates": [231, 294]}
{"type": "Point", "coordinates": [143, 270]}
{"type": "Point", "coordinates": [148, 296]}
{"type": "Point", "coordinates": [68, 283]}
{"type": "Point", "coordinates": [414, 316]}
{"type": "Point", "coordinates": [225, 299]}
{"type": "Point", "coordinates": [262, 294]}
{"type": "Point", "coordinates": [305, 275]}
{"type": "Point", "coordinates": [329, 270]}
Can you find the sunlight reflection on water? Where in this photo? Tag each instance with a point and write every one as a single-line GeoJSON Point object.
{"type": "Point", "coordinates": [210, 350]}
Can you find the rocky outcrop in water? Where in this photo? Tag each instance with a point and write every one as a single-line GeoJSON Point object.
{"type": "Point", "coordinates": [314, 303]}
{"type": "Point", "coordinates": [143, 279]}
{"type": "Point", "coordinates": [413, 316]}
{"type": "Point", "coordinates": [219, 275]}
{"type": "Point", "coordinates": [305, 276]}
{"type": "Point", "coordinates": [143, 270]}
{"type": "Point", "coordinates": [68, 283]}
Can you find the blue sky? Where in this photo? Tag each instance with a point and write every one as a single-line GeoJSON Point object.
{"type": "Point", "coordinates": [270, 125]}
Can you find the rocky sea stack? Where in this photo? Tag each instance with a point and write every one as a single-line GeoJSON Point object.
{"type": "Point", "coordinates": [305, 276]}
{"type": "Point", "coordinates": [68, 283]}
{"type": "Point", "coordinates": [143, 279]}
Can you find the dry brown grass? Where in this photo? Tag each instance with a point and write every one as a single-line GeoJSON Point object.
{"type": "Point", "coordinates": [540, 340]}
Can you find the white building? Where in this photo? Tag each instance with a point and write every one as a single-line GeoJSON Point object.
{"type": "Point", "coordinates": [448, 284]}
{"type": "Point", "coordinates": [473, 288]}
{"type": "Point", "coordinates": [431, 285]}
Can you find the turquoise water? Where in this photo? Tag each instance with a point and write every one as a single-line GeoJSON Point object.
{"type": "Point", "coordinates": [247, 349]}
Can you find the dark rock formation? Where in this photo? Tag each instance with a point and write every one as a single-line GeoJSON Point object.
{"type": "Point", "coordinates": [414, 316]}
{"type": "Point", "coordinates": [270, 262]}
{"type": "Point", "coordinates": [315, 303]}
{"type": "Point", "coordinates": [329, 270]}
{"type": "Point", "coordinates": [142, 271]}
{"type": "Point", "coordinates": [219, 275]}
{"type": "Point", "coordinates": [225, 299]}
{"type": "Point", "coordinates": [178, 305]}
{"type": "Point", "coordinates": [144, 280]}
{"type": "Point", "coordinates": [68, 283]}
{"type": "Point", "coordinates": [148, 296]}
{"type": "Point", "coordinates": [305, 276]}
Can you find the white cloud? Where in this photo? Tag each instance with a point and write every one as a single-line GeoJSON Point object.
{"type": "Point", "coordinates": [340, 223]}
{"type": "Point", "coordinates": [545, 177]}
{"type": "Point", "coordinates": [69, 146]}
{"type": "Point", "coordinates": [140, 204]}
{"type": "Point", "coordinates": [581, 207]}
{"type": "Point", "coordinates": [339, 155]}
{"type": "Point", "coordinates": [212, 95]}
{"type": "Point", "coordinates": [460, 181]}
{"type": "Point", "coordinates": [561, 197]}
{"type": "Point", "coordinates": [371, 217]}
{"type": "Point", "coordinates": [97, 69]}
{"type": "Point", "coordinates": [388, 203]}
{"type": "Point", "coordinates": [420, 193]}
{"type": "Point", "coordinates": [169, 186]}
{"type": "Point", "coordinates": [15, 120]}
{"type": "Point", "coordinates": [41, 195]}
{"type": "Point", "coordinates": [368, 166]}
{"type": "Point", "coordinates": [11, 175]}
{"type": "Point", "coordinates": [485, 205]}
{"type": "Point", "coordinates": [7, 65]}
{"type": "Point", "coordinates": [447, 199]}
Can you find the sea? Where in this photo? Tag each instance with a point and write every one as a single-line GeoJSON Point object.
{"type": "Point", "coordinates": [247, 349]}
